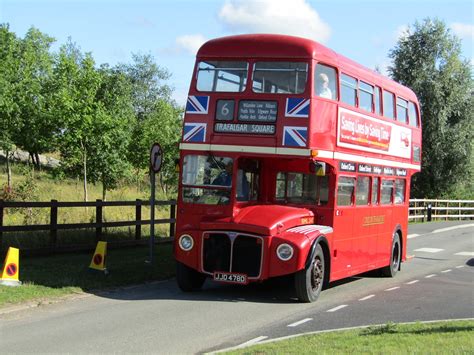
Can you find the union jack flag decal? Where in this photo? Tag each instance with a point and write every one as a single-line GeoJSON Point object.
{"type": "Point", "coordinates": [297, 107]}
{"type": "Point", "coordinates": [197, 104]}
{"type": "Point", "coordinates": [295, 136]}
{"type": "Point", "coordinates": [194, 132]}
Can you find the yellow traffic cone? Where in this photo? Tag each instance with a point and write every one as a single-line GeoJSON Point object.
{"type": "Point", "coordinates": [98, 260]}
{"type": "Point", "coordinates": [11, 268]}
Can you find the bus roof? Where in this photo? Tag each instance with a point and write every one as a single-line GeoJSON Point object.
{"type": "Point", "coordinates": [282, 46]}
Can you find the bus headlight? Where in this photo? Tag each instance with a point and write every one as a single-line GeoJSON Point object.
{"type": "Point", "coordinates": [186, 242]}
{"type": "Point", "coordinates": [284, 252]}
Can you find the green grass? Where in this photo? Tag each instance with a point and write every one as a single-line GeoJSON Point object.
{"type": "Point", "coordinates": [452, 337]}
{"type": "Point", "coordinates": [45, 278]}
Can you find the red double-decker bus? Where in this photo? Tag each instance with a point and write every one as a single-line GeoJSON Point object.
{"type": "Point", "coordinates": [293, 160]}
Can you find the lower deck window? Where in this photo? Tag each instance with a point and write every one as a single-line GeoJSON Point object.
{"type": "Point", "coordinates": [386, 192]}
{"type": "Point", "coordinates": [345, 191]}
{"type": "Point", "coordinates": [399, 191]}
{"type": "Point", "coordinates": [302, 188]}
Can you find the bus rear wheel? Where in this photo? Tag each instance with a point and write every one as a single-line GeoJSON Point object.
{"type": "Point", "coordinates": [188, 279]}
{"type": "Point", "coordinates": [395, 258]}
{"type": "Point", "coordinates": [309, 281]}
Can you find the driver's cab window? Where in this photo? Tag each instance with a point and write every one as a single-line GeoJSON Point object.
{"type": "Point", "coordinates": [247, 179]}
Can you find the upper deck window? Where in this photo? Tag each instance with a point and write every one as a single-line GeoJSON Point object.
{"type": "Point", "coordinates": [366, 95]}
{"type": "Point", "coordinates": [388, 104]}
{"type": "Point", "coordinates": [402, 110]}
{"type": "Point", "coordinates": [222, 76]}
{"type": "Point", "coordinates": [412, 114]}
{"type": "Point", "coordinates": [325, 82]}
{"type": "Point", "coordinates": [280, 77]}
{"type": "Point", "coordinates": [348, 89]}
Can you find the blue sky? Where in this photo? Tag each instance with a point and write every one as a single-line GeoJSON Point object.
{"type": "Point", "coordinates": [173, 30]}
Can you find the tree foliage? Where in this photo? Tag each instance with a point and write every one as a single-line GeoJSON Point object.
{"type": "Point", "coordinates": [102, 120]}
{"type": "Point", "coordinates": [428, 60]}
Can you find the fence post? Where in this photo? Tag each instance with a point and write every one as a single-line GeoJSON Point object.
{"type": "Point", "coordinates": [1, 223]}
{"type": "Point", "coordinates": [98, 219]}
{"type": "Point", "coordinates": [53, 221]}
{"type": "Point", "coordinates": [138, 218]}
{"type": "Point", "coordinates": [172, 216]}
{"type": "Point", "coordinates": [429, 212]}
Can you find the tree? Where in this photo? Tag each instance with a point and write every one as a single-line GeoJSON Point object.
{"type": "Point", "coordinates": [9, 64]}
{"type": "Point", "coordinates": [428, 60]}
{"type": "Point", "coordinates": [151, 98]}
{"type": "Point", "coordinates": [36, 125]}
{"type": "Point", "coordinates": [75, 86]}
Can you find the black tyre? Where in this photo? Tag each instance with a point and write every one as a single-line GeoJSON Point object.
{"type": "Point", "coordinates": [395, 257]}
{"type": "Point", "coordinates": [188, 279]}
{"type": "Point", "coordinates": [309, 282]}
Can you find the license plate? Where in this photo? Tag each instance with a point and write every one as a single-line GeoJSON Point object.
{"type": "Point", "coordinates": [230, 277]}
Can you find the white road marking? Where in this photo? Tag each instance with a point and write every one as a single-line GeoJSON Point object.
{"type": "Point", "coordinates": [429, 250]}
{"type": "Point", "coordinates": [441, 230]}
{"type": "Point", "coordinates": [465, 253]}
{"type": "Point", "coordinates": [459, 266]}
{"type": "Point", "coordinates": [412, 282]}
{"type": "Point", "coordinates": [253, 341]}
{"type": "Point", "coordinates": [448, 270]}
{"type": "Point", "coordinates": [295, 324]}
{"type": "Point", "coordinates": [366, 297]}
{"type": "Point", "coordinates": [409, 236]}
{"type": "Point", "coordinates": [392, 288]}
{"type": "Point", "coordinates": [337, 308]}
{"type": "Point", "coordinates": [430, 276]}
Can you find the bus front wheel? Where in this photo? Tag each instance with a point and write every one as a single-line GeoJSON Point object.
{"type": "Point", "coordinates": [309, 281]}
{"type": "Point", "coordinates": [395, 257]}
{"type": "Point", "coordinates": [188, 279]}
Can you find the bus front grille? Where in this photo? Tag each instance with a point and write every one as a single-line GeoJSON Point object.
{"type": "Point", "coordinates": [232, 252]}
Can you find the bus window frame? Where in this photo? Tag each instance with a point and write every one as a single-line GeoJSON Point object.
{"type": "Point", "coordinates": [336, 78]}
{"type": "Point", "coordinates": [251, 73]}
{"type": "Point", "coordinates": [196, 74]}
{"type": "Point", "coordinates": [352, 204]}
{"type": "Point", "coordinates": [356, 88]}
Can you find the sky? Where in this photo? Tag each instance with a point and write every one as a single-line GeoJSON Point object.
{"type": "Point", "coordinates": [172, 31]}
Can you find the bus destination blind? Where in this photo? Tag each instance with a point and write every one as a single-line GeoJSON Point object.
{"type": "Point", "coordinates": [257, 111]}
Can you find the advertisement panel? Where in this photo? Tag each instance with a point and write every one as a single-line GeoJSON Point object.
{"type": "Point", "coordinates": [362, 132]}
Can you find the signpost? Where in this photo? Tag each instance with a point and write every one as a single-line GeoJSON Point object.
{"type": "Point", "coordinates": [156, 159]}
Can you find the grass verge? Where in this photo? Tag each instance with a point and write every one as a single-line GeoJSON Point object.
{"type": "Point", "coordinates": [59, 275]}
{"type": "Point", "coordinates": [451, 337]}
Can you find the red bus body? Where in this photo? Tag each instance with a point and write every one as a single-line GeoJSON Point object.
{"type": "Point", "coordinates": [291, 141]}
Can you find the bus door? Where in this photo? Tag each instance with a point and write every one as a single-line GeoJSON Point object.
{"type": "Point", "coordinates": [385, 227]}
{"type": "Point", "coordinates": [343, 227]}
{"type": "Point", "coordinates": [364, 229]}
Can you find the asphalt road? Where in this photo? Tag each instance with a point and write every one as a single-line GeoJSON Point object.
{"type": "Point", "coordinates": [437, 283]}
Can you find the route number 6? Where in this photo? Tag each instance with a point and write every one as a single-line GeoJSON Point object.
{"type": "Point", "coordinates": [225, 110]}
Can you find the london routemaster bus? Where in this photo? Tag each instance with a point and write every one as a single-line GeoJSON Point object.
{"type": "Point", "coordinates": [293, 160]}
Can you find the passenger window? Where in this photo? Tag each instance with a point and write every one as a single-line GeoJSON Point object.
{"type": "Point", "coordinates": [388, 104]}
{"type": "Point", "coordinates": [325, 82]}
{"type": "Point", "coordinates": [280, 77]}
{"type": "Point", "coordinates": [375, 190]}
{"type": "Point", "coordinates": [402, 110]}
{"type": "Point", "coordinates": [345, 191]}
{"type": "Point", "coordinates": [386, 192]}
{"type": "Point", "coordinates": [348, 90]}
{"type": "Point", "coordinates": [222, 76]}
{"type": "Point", "coordinates": [362, 191]}
{"type": "Point", "coordinates": [366, 94]}
{"type": "Point", "coordinates": [299, 188]}
{"type": "Point", "coordinates": [399, 191]}
{"type": "Point", "coordinates": [412, 114]}
{"type": "Point", "coordinates": [377, 101]}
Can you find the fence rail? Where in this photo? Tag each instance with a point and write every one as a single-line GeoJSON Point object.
{"type": "Point", "coordinates": [433, 209]}
{"type": "Point", "coordinates": [53, 227]}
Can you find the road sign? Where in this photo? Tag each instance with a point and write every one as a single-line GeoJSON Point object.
{"type": "Point", "coordinates": [97, 259]}
{"type": "Point", "coordinates": [11, 269]}
{"type": "Point", "coordinates": [156, 157]}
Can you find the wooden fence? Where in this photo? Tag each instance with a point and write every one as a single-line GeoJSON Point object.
{"type": "Point", "coordinates": [53, 227]}
{"type": "Point", "coordinates": [428, 210]}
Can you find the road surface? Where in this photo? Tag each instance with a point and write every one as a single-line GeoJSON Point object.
{"type": "Point", "coordinates": [437, 283]}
